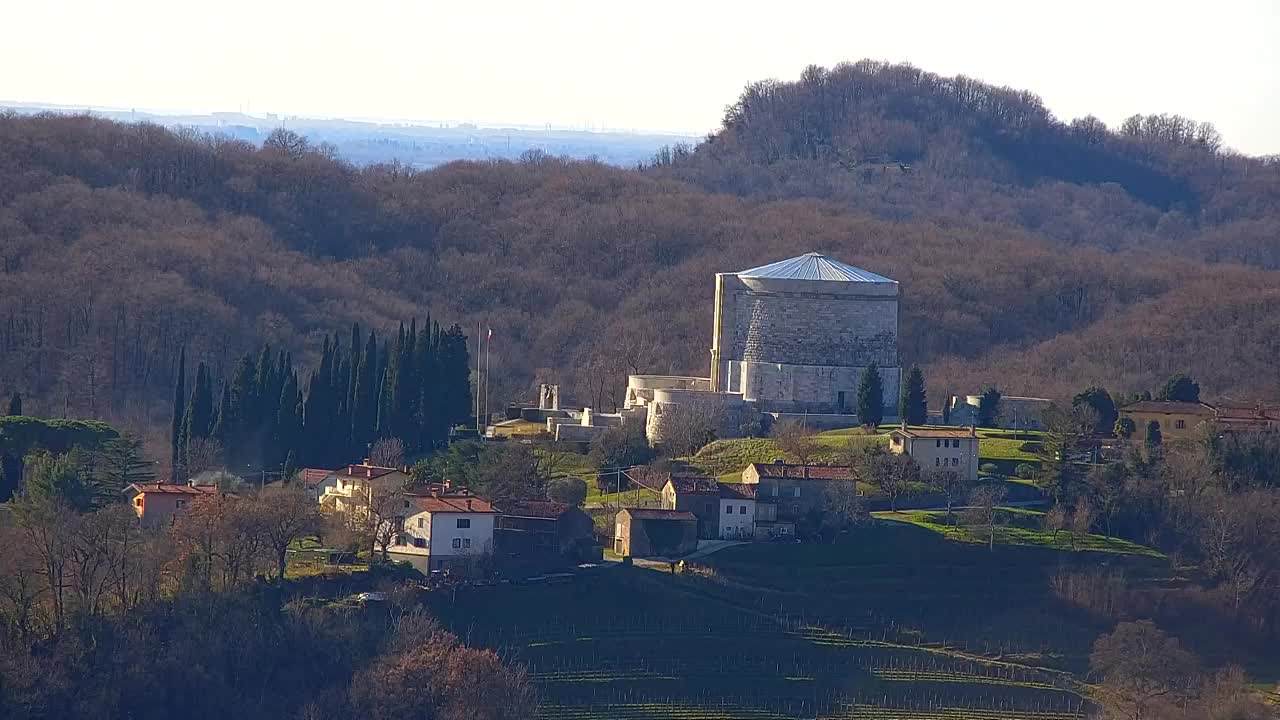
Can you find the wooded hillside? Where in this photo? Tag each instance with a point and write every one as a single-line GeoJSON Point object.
{"type": "Point", "coordinates": [1036, 255]}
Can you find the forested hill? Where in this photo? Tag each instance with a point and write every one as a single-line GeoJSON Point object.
{"type": "Point", "coordinates": [120, 244]}
{"type": "Point", "coordinates": [901, 142]}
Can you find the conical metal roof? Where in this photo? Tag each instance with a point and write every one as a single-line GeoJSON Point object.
{"type": "Point", "coordinates": [813, 266]}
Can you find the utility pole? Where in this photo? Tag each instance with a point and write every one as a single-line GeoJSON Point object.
{"type": "Point", "coordinates": [479, 431]}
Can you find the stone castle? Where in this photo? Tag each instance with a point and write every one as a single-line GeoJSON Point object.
{"type": "Point", "coordinates": [791, 338]}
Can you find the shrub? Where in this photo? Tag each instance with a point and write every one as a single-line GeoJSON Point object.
{"type": "Point", "coordinates": [1032, 446]}
{"type": "Point", "coordinates": [569, 490]}
{"type": "Point", "coordinates": [1024, 471]}
{"type": "Point", "coordinates": [988, 469]}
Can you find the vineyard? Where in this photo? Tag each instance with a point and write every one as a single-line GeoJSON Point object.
{"type": "Point", "coordinates": [791, 631]}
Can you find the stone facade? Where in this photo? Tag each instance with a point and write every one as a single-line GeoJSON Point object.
{"type": "Point", "coordinates": [801, 345]}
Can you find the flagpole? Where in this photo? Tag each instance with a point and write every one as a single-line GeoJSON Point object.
{"type": "Point", "coordinates": [478, 341]}
{"type": "Point", "coordinates": [488, 365]}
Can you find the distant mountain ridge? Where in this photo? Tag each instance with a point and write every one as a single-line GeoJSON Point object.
{"type": "Point", "coordinates": [418, 144]}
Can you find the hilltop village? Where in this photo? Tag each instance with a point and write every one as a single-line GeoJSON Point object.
{"type": "Point", "coordinates": [805, 457]}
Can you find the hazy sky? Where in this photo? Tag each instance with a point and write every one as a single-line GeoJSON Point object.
{"type": "Point", "coordinates": [655, 65]}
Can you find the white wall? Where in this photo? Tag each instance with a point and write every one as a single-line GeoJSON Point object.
{"type": "Point", "coordinates": [737, 524]}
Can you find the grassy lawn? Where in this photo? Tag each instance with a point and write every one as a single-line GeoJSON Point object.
{"type": "Point", "coordinates": [1018, 527]}
{"type": "Point", "coordinates": [1005, 449]}
{"type": "Point", "coordinates": [516, 428]}
{"type": "Point", "coordinates": [724, 457]}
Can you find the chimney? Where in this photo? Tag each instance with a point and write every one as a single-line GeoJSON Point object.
{"type": "Point", "coordinates": [468, 504]}
{"type": "Point", "coordinates": [435, 492]}
{"type": "Point", "coordinates": [973, 430]}
{"type": "Point", "coordinates": [368, 472]}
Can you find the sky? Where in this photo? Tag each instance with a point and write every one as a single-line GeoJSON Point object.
{"type": "Point", "coordinates": [655, 65]}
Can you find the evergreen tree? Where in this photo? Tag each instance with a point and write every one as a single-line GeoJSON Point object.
{"type": "Point", "coordinates": [1154, 437]}
{"type": "Point", "coordinates": [118, 463]}
{"type": "Point", "coordinates": [1180, 388]}
{"type": "Point", "coordinates": [989, 407]}
{"type": "Point", "coordinates": [237, 437]}
{"type": "Point", "coordinates": [224, 423]}
{"type": "Point", "coordinates": [289, 420]}
{"type": "Point", "coordinates": [315, 425]}
{"type": "Point", "coordinates": [454, 378]}
{"type": "Point", "coordinates": [871, 397]}
{"type": "Point", "coordinates": [15, 403]}
{"type": "Point", "coordinates": [179, 415]}
{"type": "Point", "coordinates": [364, 410]}
{"type": "Point", "coordinates": [198, 421]}
{"type": "Point", "coordinates": [914, 408]}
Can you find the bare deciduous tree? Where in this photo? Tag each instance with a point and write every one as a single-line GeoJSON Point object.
{"type": "Point", "coordinates": [387, 452]}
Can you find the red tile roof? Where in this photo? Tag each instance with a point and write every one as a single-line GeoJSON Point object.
{"type": "Point", "coordinates": [1242, 411]}
{"type": "Point", "coordinates": [775, 471]}
{"type": "Point", "coordinates": [364, 472]}
{"type": "Point", "coordinates": [171, 489]}
{"type": "Point", "coordinates": [314, 476]}
{"type": "Point", "coordinates": [548, 510]}
{"type": "Point", "coordinates": [452, 504]}
{"type": "Point", "coordinates": [1168, 408]}
{"type": "Point", "coordinates": [693, 485]}
{"type": "Point", "coordinates": [655, 514]}
{"type": "Point", "coordinates": [738, 491]}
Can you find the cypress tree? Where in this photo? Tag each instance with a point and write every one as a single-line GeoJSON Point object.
{"type": "Point", "coordinates": [870, 397]}
{"type": "Point", "coordinates": [225, 424]}
{"type": "Point", "coordinates": [288, 419]}
{"type": "Point", "coordinates": [198, 421]}
{"type": "Point", "coordinates": [315, 423]}
{"type": "Point", "coordinates": [364, 407]}
{"type": "Point", "coordinates": [15, 403]}
{"type": "Point", "coordinates": [914, 408]}
{"type": "Point", "coordinates": [179, 414]}
{"type": "Point", "coordinates": [237, 436]}
{"type": "Point", "coordinates": [454, 377]}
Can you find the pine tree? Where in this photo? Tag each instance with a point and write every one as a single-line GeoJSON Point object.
{"type": "Point", "coordinates": [179, 415]}
{"type": "Point", "coordinates": [914, 408]}
{"type": "Point", "coordinates": [871, 397]}
{"type": "Point", "coordinates": [15, 403]}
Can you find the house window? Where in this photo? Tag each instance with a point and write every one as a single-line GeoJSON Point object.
{"type": "Point", "coordinates": [464, 522]}
{"type": "Point", "coordinates": [782, 531]}
{"type": "Point", "coordinates": [466, 543]}
{"type": "Point", "coordinates": [406, 504]}
{"type": "Point", "coordinates": [742, 510]}
{"type": "Point", "coordinates": [457, 543]}
{"type": "Point", "coordinates": [775, 491]}
{"type": "Point", "coordinates": [137, 502]}
{"type": "Point", "coordinates": [1180, 424]}
{"type": "Point", "coordinates": [937, 462]}
{"type": "Point", "coordinates": [419, 542]}
{"type": "Point", "coordinates": [796, 491]}
{"type": "Point", "coordinates": [182, 504]}
{"type": "Point", "coordinates": [937, 443]}
{"type": "Point", "coordinates": [419, 522]}
{"type": "Point", "coordinates": [728, 509]}
{"type": "Point", "coordinates": [955, 461]}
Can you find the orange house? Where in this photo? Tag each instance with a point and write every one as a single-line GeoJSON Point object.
{"type": "Point", "coordinates": [1178, 420]}
{"type": "Point", "coordinates": [157, 504]}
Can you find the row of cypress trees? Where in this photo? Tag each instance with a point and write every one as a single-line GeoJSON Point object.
{"type": "Point", "coordinates": [413, 387]}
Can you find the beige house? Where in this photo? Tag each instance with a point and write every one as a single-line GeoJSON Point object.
{"type": "Point", "coordinates": [349, 488]}
{"type": "Point", "coordinates": [937, 450]}
{"type": "Point", "coordinates": [646, 532]}
{"type": "Point", "coordinates": [698, 495]}
{"type": "Point", "coordinates": [157, 504]}
{"type": "Point", "coordinates": [1177, 420]}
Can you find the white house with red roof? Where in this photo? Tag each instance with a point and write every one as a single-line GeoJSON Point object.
{"type": "Point", "coordinates": [445, 531]}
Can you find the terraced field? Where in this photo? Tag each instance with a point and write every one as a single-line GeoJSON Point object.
{"type": "Point", "coordinates": [892, 623]}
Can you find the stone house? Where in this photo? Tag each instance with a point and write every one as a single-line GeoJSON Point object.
{"type": "Point", "coordinates": [649, 532]}
{"type": "Point", "coordinates": [698, 495]}
{"type": "Point", "coordinates": [439, 532]}
{"type": "Point", "coordinates": [936, 450]}
{"type": "Point", "coordinates": [158, 504]}
{"type": "Point", "coordinates": [1177, 420]}
{"type": "Point", "coordinates": [544, 534]}
{"type": "Point", "coordinates": [794, 490]}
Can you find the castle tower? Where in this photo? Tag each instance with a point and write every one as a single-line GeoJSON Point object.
{"type": "Point", "coordinates": [796, 335]}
